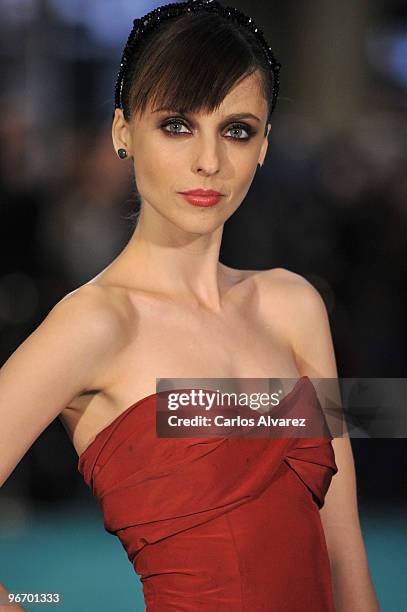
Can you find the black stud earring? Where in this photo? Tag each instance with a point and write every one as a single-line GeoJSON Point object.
{"type": "Point", "coordinates": [259, 165]}
{"type": "Point", "coordinates": [122, 153]}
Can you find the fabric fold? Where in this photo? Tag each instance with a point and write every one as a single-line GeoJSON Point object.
{"type": "Point", "coordinates": [162, 486]}
{"type": "Point", "coordinates": [214, 523]}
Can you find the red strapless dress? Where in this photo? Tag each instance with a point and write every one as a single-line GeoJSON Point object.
{"type": "Point", "coordinates": [217, 524]}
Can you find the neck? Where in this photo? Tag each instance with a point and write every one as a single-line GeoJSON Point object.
{"type": "Point", "coordinates": [165, 258]}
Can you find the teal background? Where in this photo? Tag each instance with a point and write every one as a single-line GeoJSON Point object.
{"type": "Point", "coordinates": [70, 552]}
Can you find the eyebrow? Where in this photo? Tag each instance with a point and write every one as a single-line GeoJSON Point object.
{"type": "Point", "coordinates": [233, 116]}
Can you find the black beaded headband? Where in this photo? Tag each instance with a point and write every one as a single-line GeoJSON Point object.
{"type": "Point", "coordinates": [152, 19]}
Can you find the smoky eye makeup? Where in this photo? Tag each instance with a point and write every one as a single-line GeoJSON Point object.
{"type": "Point", "coordinates": [182, 127]}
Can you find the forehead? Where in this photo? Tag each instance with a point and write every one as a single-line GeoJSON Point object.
{"type": "Point", "coordinates": [246, 93]}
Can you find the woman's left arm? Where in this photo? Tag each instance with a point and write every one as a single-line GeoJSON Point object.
{"type": "Point", "coordinates": [312, 345]}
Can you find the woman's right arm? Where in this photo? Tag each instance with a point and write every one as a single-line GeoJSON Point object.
{"type": "Point", "coordinates": [58, 361]}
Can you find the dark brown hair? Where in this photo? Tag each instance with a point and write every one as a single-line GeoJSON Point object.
{"type": "Point", "coordinates": [190, 63]}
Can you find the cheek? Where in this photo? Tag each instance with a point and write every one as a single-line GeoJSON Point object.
{"type": "Point", "coordinates": [244, 165]}
{"type": "Point", "coordinates": [155, 166]}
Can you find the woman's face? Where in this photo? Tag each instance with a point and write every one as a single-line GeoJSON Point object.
{"type": "Point", "coordinates": [175, 152]}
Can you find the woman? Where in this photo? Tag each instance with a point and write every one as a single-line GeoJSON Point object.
{"type": "Point", "coordinates": [215, 524]}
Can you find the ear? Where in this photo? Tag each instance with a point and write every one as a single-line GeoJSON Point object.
{"type": "Point", "coordinates": [264, 145]}
{"type": "Point", "coordinates": [121, 134]}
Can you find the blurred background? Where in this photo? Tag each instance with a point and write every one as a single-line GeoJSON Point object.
{"type": "Point", "coordinates": [330, 203]}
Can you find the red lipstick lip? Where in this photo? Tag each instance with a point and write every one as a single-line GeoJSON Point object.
{"type": "Point", "coordinates": [202, 192]}
{"type": "Point", "coordinates": [198, 199]}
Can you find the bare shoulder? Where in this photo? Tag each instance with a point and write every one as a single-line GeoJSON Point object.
{"type": "Point", "coordinates": [284, 277]}
{"type": "Point", "coordinates": [87, 325]}
{"type": "Point", "coordinates": [296, 305]}
{"type": "Point", "coordinates": [269, 276]}
{"type": "Point", "coordinates": [95, 309]}
{"type": "Point", "coordinates": [281, 293]}
{"type": "Point", "coordinates": [306, 321]}
{"type": "Point", "coordinates": [294, 290]}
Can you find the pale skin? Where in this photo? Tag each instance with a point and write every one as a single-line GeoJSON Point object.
{"type": "Point", "coordinates": [163, 306]}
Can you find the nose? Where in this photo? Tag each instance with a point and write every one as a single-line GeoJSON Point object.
{"type": "Point", "coordinates": [207, 156]}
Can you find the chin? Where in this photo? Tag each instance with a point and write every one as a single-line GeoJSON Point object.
{"type": "Point", "coordinates": [199, 223]}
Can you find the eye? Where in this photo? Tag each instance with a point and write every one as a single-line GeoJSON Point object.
{"type": "Point", "coordinates": [173, 123]}
{"type": "Point", "coordinates": [239, 127]}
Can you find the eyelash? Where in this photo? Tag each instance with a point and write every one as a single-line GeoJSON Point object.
{"type": "Point", "coordinates": [241, 126]}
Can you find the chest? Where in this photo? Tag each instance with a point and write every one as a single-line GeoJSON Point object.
{"type": "Point", "coordinates": [164, 341]}
{"type": "Point", "coordinates": [190, 345]}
